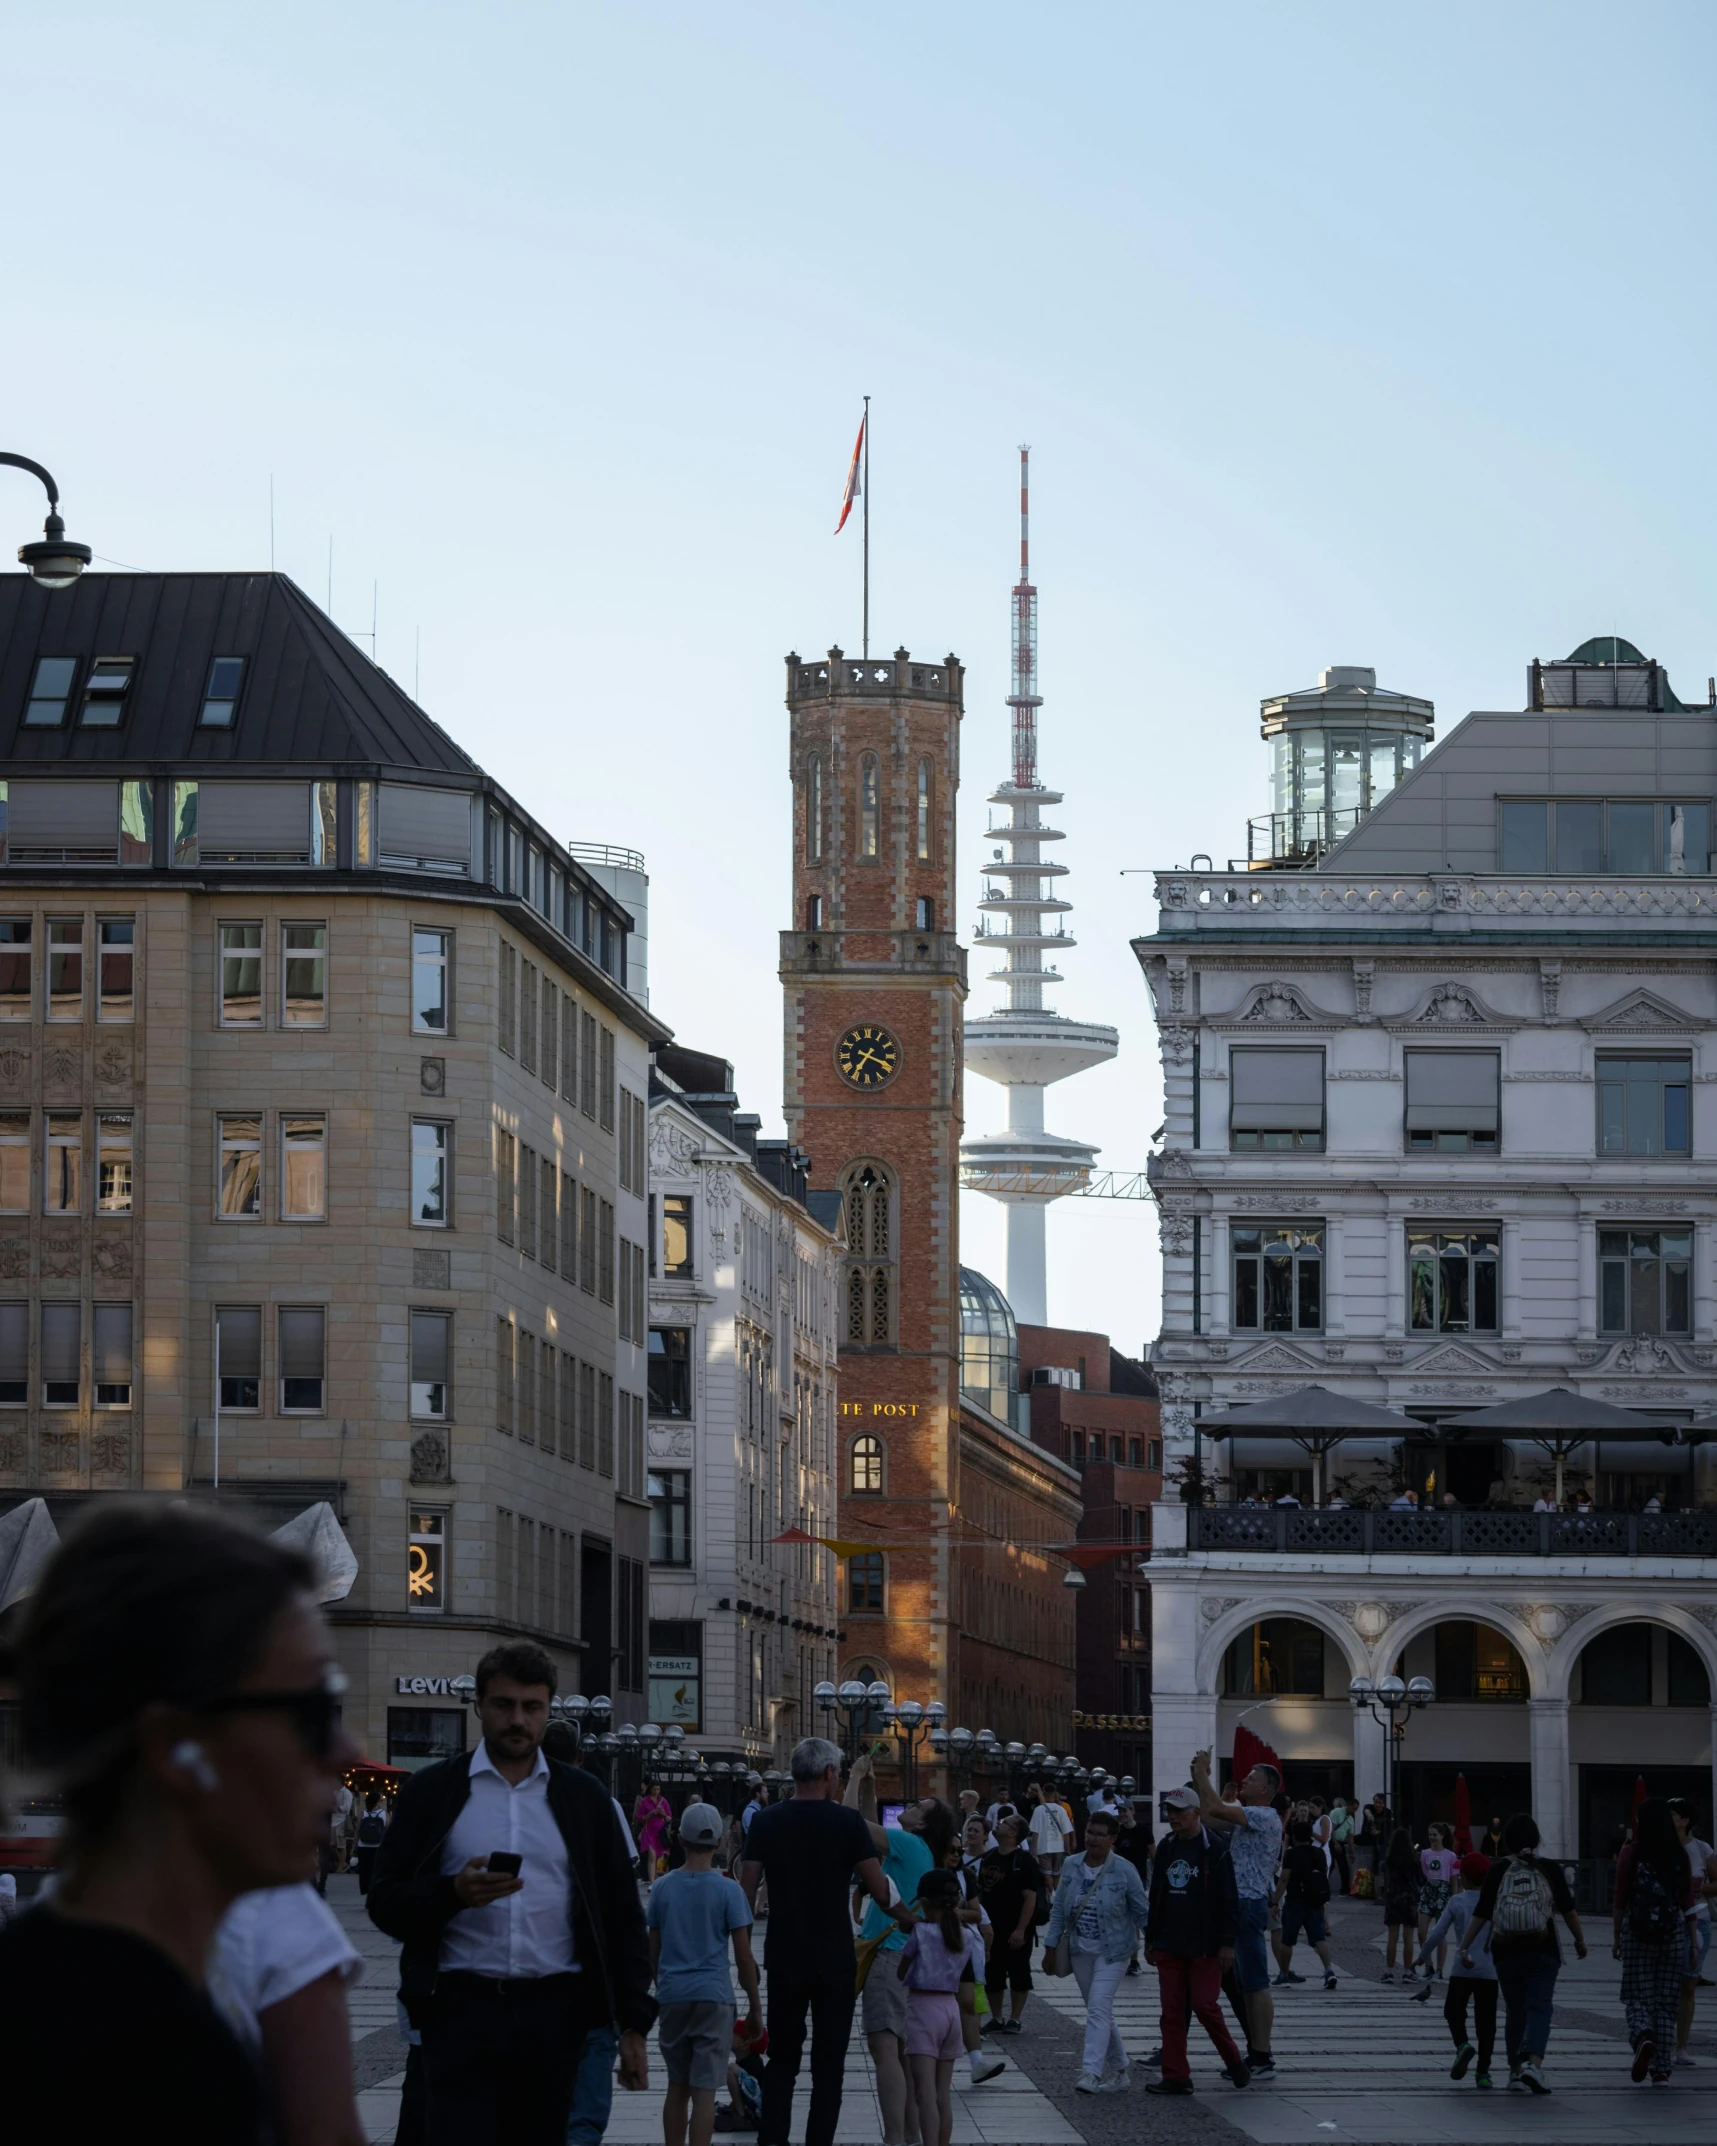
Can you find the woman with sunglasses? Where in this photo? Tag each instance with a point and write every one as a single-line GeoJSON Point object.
{"type": "Point", "coordinates": [176, 1683]}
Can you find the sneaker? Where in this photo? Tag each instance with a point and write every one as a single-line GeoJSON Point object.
{"type": "Point", "coordinates": [984, 2067]}
{"type": "Point", "coordinates": [1660, 2078]}
{"type": "Point", "coordinates": [1010, 2026]}
{"type": "Point", "coordinates": [1241, 2074]}
{"type": "Point", "coordinates": [1132, 1967]}
{"type": "Point", "coordinates": [1168, 2086]}
{"type": "Point", "coordinates": [1330, 1982]}
{"type": "Point", "coordinates": [1644, 2050]}
{"type": "Point", "coordinates": [1263, 2067]}
{"type": "Point", "coordinates": [1389, 1974]}
{"type": "Point", "coordinates": [1683, 2062]}
{"type": "Point", "coordinates": [1481, 2078]}
{"type": "Point", "coordinates": [1154, 2062]}
{"type": "Point", "coordinates": [1536, 2082]}
{"type": "Point", "coordinates": [1087, 2083]}
{"type": "Point", "coordinates": [1463, 2057]}
{"type": "Point", "coordinates": [1516, 2084]}
{"type": "Point", "coordinates": [1116, 2082]}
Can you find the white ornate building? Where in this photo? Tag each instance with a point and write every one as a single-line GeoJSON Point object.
{"type": "Point", "coordinates": [1442, 1131]}
{"type": "Point", "coordinates": [743, 1297]}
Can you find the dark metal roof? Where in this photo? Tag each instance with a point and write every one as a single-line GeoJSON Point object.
{"type": "Point", "coordinates": [308, 695]}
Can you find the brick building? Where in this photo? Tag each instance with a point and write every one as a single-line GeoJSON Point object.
{"type": "Point", "coordinates": [1097, 1410]}
{"type": "Point", "coordinates": [958, 1596]}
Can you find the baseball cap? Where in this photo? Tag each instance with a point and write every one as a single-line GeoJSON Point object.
{"type": "Point", "coordinates": [1181, 1799]}
{"type": "Point", "coordinates": [1475, 1865]}
{"type": "Point", "coordinates": [700, 1825]}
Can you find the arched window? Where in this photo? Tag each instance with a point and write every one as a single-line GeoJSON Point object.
{"type": "Point", "coordinates": [868, 838]}
{"type": "Point", "coordinates": [865, 1581]}
{"type": "Point", "coordinates": [814, 809]}
{"type": "Point", "coordinates": [868, 1192]}
{"type": "Point", "coordinates": [926, 799]}
{"type": "Point", "coordinates": [866, 1476]}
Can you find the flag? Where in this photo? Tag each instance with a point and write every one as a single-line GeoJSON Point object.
{"type": "Point", "coordinates": [852, 491]}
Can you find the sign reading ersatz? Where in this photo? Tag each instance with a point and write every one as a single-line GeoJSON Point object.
{"type": "Point", "coordinates": [420, 1687]}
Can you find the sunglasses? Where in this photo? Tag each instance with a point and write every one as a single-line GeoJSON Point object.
{"type": "Point", "coordinates": [314, 1711]}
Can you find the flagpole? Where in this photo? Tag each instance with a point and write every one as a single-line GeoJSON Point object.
{"type": "Point", "coordinates": [866, 489]}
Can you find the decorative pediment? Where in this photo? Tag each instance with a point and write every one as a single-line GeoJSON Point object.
{"type": "Point", "coordinates": [1643, 1012]}
{"type": "Point", "coordinates": [1276, 1357]}
{"type": "Point", "coordinates": [1279, 1005]}
{"type": "Point", "coordinates": [1450, 1005]}
{"type": "Point", "coordinates": [1452, 1361]}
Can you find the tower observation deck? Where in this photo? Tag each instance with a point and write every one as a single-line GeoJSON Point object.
{"type": "Point", "coordinates": [1024, 1046]}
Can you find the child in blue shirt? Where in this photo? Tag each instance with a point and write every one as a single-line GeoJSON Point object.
{"type": "Point", "coordinates": [692, 1915]}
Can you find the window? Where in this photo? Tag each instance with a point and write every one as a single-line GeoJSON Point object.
{"type": "Point", "coordinates": [65, 968]}
{"type": "Point", "coordinates": [587, 1064]}
{"type": "Point", "coordinates": [866, 1476]}
{"type": "Point", "coordinates": [113, 1189]}
{"type": "Point", "coordinates": [587, 1243]}
{"type": "Point", "coordinates": [116, 976]}
{"type": "Point", "coordinates": [527, 1201]}
{"type": "Point", "coordinates": [814, 810]}
{"type": "Point", "coordinates": [503, 1372]}
{"type": "Point", "coordinates": [62, 1348]}
{"type": "Point", "coordinates": [1278, 1277]}
{"type": "Point", "coordinates": [137, 822]}
{"type": "Point", "coordinates": [505, 1166]}
{"type": "Point", "coordinates": [62, 1183]}
{"type": "Point", "coordinates": [112, 1367]}
{"type": "Point", "coordinates": [1615, 1668]}
{"type": "Point", "coordinates": [670, 1370]}
{"type": "Point", "coordinates": [528, 1015]}
{"type": "Point", "coordinates": [865, 1581]}
{"type": "Point", "coordinates": [186, 849]}
{"type": "Point", "coordinates": [1645, 1281]}
{"type": "Point", "coordinates": [241, 975]}
{"type": "Point", "coordinates": [431, 1207]}
{"type": "Point", "coordinates": [431, 1363]}
{"type": "Point", "coordinates": [605, 1253]}
{"type": "Point", "coordinates": [431, 981]}
{"type": "Point", "coordinates": [670, 1516]}
{"type": "Point", "coordinates": [302, 1359]}
{"type": "Point", "coordinates": [814, 913]}
{"type": "Point", "coordinates": [16, 987]}
{"type": "Point", "coordinates": [1452, 1101]}
{"type": "Point", "coordinates": [1689, 1680]}
{"type": "Point", "coordinates": [1642, 1105]}
{"type": "Point", "coordinates": [568, 1049]}
{"type": "Point", "coordinates": [1280, 1654]}
{"type": "Point", "coordinates": [868, 842]}
{"type": "Point", "coordinates": [238, 1355]}
{"type": "Point", "coordinates": [426, 1551]}
{"type": "Point", "coordinates": [1276, 1099]}
{"type": "Point", "coordinates": [50, 691]}
{"type": "Point", "coordinates": [587, 1415]}
{"type": "Point", "coordinates": [240, 1168]}
{"type": "Point", "coordinates": [1474, 1662]}
{"type": "Point", "coordinates": [1596, 834]}
{"type": "Point", "coordinates": [926, 800]}
{"type": "Point", "coordinates": [677, 1235]}
{"type": "Point", "coordinates": [220, 697]}
{"type": "Point", "coordinates": [1452, 1281]}
{"type": "Point", "coordinates": [869, 1192]}
{"type": "Point", "coordinates": [569, 1228]}
{"type": "Point", "coordinates": [364, 823]}
{"type": "Point", "coordinates": [549, 1178]}
{"type": "Point", "coordinates": [14, 1355]}
{"type": "Point", "coordinates": [303, 1169]}
{"type": "Point", "coordinates": [15, 1162]}
{"type": "Point", "coordinates": [104, 694]}
{"type": "Point", "coordinates": [325, 824]}
{"type": "Point", "coordinates": [606, 1112]}
{"type": "Point", "coordinates": [509, 996]}
{"type": "Point", "coordinates": [604, 1424]}
{"type": "Point", "coordinates": [925, 913]}
{"type": "Point", "coordinates": [304, 975]}
{"type": "Point", "coordinates": [550, 1036]}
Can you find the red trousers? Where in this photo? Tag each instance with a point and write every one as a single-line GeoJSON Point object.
{"type": "Point", "coordinates": [1187, 1987]}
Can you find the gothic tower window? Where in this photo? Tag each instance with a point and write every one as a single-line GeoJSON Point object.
{"type": "Point", "coordinates": [869, 1193]}
{"type": "Point", "coordinates": [869, 844]}
{"type": "Point", "coordinates": [866, 1476]}
{"type": "Point", "coordinates": [814, 810]}
{"type": "Point", "coordinates": [926, 797]}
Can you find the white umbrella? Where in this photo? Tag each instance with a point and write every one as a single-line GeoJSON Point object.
{"type": "Point", "coordinates": [28, 1538]}
{"type": "Point", "coordinates": [319, 1535]}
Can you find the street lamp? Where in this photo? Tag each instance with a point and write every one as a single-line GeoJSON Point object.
{"type": "Point", "coordinates": [1396, 1699]}
{"type": "Point", "coordinates": [54, 561]}
{"type": "Point", "coordinates": [854, 1702]}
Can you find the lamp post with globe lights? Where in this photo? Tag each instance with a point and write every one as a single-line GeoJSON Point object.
{"type": "Point", "coordinates": [53, 560]}
{"type": "Point", "coordinates": [857, 1704]}
{"type": "Point", "coordinates": [1397, 1700]}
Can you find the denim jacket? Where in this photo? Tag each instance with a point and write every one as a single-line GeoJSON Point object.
{"type": "Point", "coordinates": [1118, 1895]}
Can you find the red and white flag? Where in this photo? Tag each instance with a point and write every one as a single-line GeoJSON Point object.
{"type": "Point", "coordinates": [852, 491]}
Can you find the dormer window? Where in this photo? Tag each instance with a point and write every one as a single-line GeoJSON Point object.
{"type": "Point", "coordinates": [104, 696]}
{"type": "Point", "coordinates": [50, 692]}
{"type": "Point", "coordinates": [220, 700]}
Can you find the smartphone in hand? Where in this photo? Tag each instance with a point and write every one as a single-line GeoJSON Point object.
{"type": "Point", "coordinates": [504, 1864]}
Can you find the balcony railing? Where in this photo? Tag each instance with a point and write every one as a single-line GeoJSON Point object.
{"type": "Point", "coordinates": [1365, 1532]}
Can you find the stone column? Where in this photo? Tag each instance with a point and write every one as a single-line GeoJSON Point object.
{"type": "Point", "coordinates": [1335, 1302]}
{"type": "Point", "coordinates": [1394, 1276]}
{"type": "Point", "coordinates": [1183, 1716]}
{"type": "Point", "coordinates": [1216, 1231]}
{"type": "Point", "coordinates": [1547, 1726]}
{"type": "Point", "coordinates": [1704, 1324]}
{"type": "Point", "coordinates": [1510, 1278]}
{"type": "Point", "coordinates": [1586, 1266]}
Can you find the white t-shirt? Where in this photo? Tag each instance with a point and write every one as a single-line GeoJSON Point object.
{"type": "Point", "coordinates": [270, 1945]}
{"type": "Point", "coordinates": [1049, 1829]}
{"type": "Point", "coordinates": [1102, 1799]}
{"type": "Point", "coordinates": [1698, 1854]}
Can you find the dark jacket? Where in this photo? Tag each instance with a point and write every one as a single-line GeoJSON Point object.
{"type": "Point", "coordinates": [411, 1900]}
{"type": "Point", "coordinates": [1195, 1906]}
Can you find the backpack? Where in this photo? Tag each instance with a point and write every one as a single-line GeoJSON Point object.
{"type": "Point", "coordinates": [371, 1827]}
{"type": "Point", "coordinates": [1312, 1886]}
{"type": "Point", "coordinates": [1524, 1901]}
{"type": "Point", "coordinates": [1653, 1917]}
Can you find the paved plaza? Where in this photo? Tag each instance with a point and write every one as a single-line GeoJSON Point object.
{"type": "Point", "coordinates": [1362, 2064]}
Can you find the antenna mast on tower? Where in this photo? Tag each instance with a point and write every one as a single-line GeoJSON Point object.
{"type": "Point", "coordinates": [1025, 699]}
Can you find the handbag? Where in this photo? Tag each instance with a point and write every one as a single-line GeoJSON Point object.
{"type": "Point", "coordinates": [864, 1956]}
{"type": "Point", "coordinates": [1058, 1958]}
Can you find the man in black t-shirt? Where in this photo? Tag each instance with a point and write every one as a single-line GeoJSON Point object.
{"type": "Point", "coordinates": [1302, 1893]}
{"type": "Point", "coordinates": [1011, 1887]}
{"type": "Point", "coordinates": [812, 1848]}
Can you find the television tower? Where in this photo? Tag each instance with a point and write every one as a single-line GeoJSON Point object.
{"type": "Point", "coordinates": [1023, 1046]}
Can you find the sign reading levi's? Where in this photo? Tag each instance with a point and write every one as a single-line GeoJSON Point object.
{"type": "Point", "coordinates": [879, 1408]}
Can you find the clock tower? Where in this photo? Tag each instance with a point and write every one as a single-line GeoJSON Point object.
{"type": "Point", "coordinates": [874, 984]}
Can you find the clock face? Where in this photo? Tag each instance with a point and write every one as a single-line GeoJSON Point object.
{"type": "Point", "coordinates": [867, 1056]}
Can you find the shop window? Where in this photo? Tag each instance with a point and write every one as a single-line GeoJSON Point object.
{"type": "Point", "coordinates": [426, 1577]}
{"type": "Point", "coordinates": [1279, 1655]}
{"type": "Point", "coordinates": [1278, 1277]}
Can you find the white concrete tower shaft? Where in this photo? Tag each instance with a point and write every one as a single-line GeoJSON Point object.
{"type": "Point", "coordinates": [1023, 1046]}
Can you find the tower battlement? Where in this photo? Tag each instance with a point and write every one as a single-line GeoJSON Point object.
{"type": "Point", "coordinates": [838, 676]}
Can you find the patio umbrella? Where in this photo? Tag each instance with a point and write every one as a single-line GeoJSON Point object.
{"type": "Point", "coordinates": [1463, 1817]}
{"type": "Point", "coordinates": [1315, 1419]}
{"type": "Point", "coordinates": [1558, 1420]}
{"type": "Point", "coordinates": [1251, 1750]}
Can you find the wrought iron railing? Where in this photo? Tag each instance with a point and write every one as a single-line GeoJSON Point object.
{"type": "Point", "coordinates": [1366, 1532]}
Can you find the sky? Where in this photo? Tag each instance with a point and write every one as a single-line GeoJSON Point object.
{"type": "Point", "coordinates": [1340, 334]}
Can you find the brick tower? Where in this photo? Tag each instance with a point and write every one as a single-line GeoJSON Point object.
{"type": "Point", "coordinates": [873, 985]}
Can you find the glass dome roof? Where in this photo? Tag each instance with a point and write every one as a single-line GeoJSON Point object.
{"type": "Point", "coordinates": [989, 1346]}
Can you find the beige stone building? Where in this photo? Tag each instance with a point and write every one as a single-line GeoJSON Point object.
{"type": "Point", "coordinates": [322, 1135]}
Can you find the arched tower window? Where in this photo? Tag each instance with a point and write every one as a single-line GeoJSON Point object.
{"type": "Point", "coordinates": [814, 810]}
{"type": "Point", "coordinates": [865, 1478]}
{"type": "Point", "coordinates": [926, 801]}
{"type": "Point", "coordinates": [868, 1191]}
{"type": "Point", "coordinates": [869, 841]}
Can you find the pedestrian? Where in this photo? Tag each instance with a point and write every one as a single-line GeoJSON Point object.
{"type": "Point", "coordinates": [507, 1878]}
{"type": "Point", "coordinates": [278, 1974]}
{"type": "Point", "coordinates": [1377, 1822]}
{"type": "Point", "coordinates": [331, 1857]}
{"type": "Point", "coordinates": [969, 1802]}
{"type": "Point", "coordinates": [1438, 1863]}
{"type": "Point", "coordinates": [1341, 1842]}
{"type": "Point", "coordinates": [1520, 1899]}
{"type": "Point", "coordinates": [1476, 1985]}
{"type": "Point", "coordinates": [372, 1828]}
{"type": "Point", "coordinates": [1490, 1842]}
{"type": "Point", "coordinates": [1302, 1894]}
{"type": "Point", "coordinates": [1102, 1798]}
{"type": "Point", "coordinates": [975, 1844]}
{"type": "Point", "coordinates": [1702, 1865]}
{"type": "Point", "coordinates": [205, 1770]}
{"type": "Point", "coordinates": [1051, 1830]}
{"type": "Point", "coordinates": [694, 1914]}
{"type": "Point", "coordinates": [1194, 1918]}
{"type": "Point", "coordinates": [1099, 1905]}
{"type": "Point", "coordinates": [937, 1821]}
{"type": "Point", "coordinates": [1652, 1935]}
{"type": "Point", "coordinates": [1255, 1843]}
{"type": "Point", "coordinates": [1011, 1887]}
{"type": "Point", "coordinates": [938, 1956]}
{"type": "Point", "coordinates": [809, 1848]}
{"type": "Point", "coordinates": [1134, 1846]}
{"type": "Point", "coordinates": [1399, 1879]}
{"type": "Point", "coordinates": [652, 1814]}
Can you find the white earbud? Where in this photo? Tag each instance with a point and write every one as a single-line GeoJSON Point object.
{"type": "Point", "coordinates": [190, 1757]}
